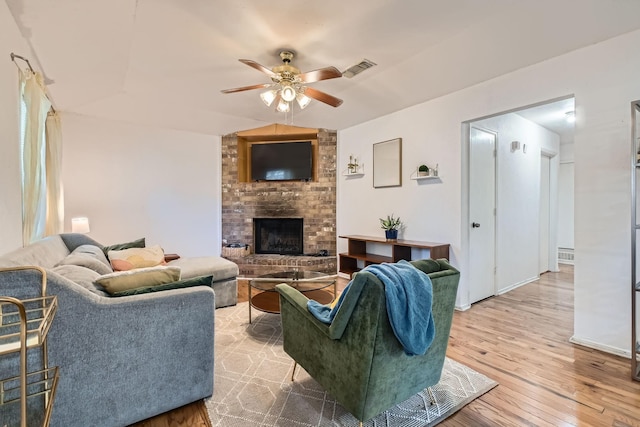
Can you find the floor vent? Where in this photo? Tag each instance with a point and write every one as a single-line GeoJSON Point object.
{"type": "Point", "coordinates": [565, 256]}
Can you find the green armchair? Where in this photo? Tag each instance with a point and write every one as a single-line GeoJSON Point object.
{"type": "Point", "coordinates": [357, 358]}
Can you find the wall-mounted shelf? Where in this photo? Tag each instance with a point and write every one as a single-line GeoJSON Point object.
{"type": "Point", "coordinates": [358, 172]}
{"type": "Point", "coordinates": [420, 178]}
{"type": "Point", "coordinates": [354, 169]}
{"type": "Point", "coordinates": [417, 176]}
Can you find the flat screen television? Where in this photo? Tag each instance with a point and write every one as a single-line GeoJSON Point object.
{"type": "Point", "coordinates": [282, 161]}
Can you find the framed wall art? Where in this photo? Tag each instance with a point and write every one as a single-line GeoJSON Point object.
{"type": "Point", "coordinates": [387, 163]}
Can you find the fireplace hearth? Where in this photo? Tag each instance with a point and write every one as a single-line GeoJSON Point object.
{"type": "Point", "coordinates": [282, 236]}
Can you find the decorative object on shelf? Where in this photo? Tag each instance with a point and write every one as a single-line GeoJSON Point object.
{"type": "Point", "coordinates": [352, 166]}
{"type": "Point", "coordinates": [424, 172]}
{"type": "Point", "coordinates": [390, 225]}
{"type": "Point", "coordinates": [391, 234]}
{"type": "Point", "coordinates": [387, 163]}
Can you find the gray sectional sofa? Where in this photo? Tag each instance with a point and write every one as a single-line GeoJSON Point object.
{"type": "Point", "coordinates": [122, 359]}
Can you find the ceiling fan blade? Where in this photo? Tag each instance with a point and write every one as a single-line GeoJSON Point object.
{"type": "Point", "coordinates": [240, 89]}
{"type": "Point", "coordinates": [258, 67]}
{"type": "Point", "coordinates": [322, 97]}
{"type": "Point", "coordinates": [320, 74]}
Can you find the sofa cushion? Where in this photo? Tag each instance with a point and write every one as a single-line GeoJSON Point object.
{"type": "Point", "coordinates": [127, 259]}
{"type": "Point", "coordinates": [196, 281]}
{"type": "Point", "coordinates": [83, 276]}
{"type": "Point", "coordinates": [88, 256]}
{"type": "Point", "coordinates": [217, 267]}
{"type": "Point", "coordinates": [45, 253]}
{"type": "Point", "coordinates": [138, 278]}
{"type": "Point", "coordinates": [139, 243]}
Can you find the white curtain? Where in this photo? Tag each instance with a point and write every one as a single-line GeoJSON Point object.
{"type": "Point", "coordinates": [33, 157]}
{"type": "Point", "coordinates": [54, 194]}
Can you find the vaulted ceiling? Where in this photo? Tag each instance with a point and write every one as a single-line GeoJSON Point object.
{"type": "Point", "coordinates": [164, 62]}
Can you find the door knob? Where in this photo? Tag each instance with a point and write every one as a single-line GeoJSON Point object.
{"type": "Point", "coordinates": [475, 225]}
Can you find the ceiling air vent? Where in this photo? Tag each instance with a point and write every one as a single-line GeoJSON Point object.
{"type": "Point", "coordinates": [358, 68]}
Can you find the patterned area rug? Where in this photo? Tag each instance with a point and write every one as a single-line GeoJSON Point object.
{"type": "Point", "coordinates": [252, 383]}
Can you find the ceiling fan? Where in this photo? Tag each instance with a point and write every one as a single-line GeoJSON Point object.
{"type": "Point", "coordinates": [288, 83]}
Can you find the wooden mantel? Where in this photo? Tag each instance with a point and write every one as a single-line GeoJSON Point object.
{"type": "Point", "coordinates": [277, 132]}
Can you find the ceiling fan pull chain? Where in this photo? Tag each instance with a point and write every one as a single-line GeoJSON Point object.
{"type": "Point", "coordinates": [291, 118]}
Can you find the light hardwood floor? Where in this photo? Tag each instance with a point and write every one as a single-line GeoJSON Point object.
{"type": "Point", "coordinates": [521, 340]}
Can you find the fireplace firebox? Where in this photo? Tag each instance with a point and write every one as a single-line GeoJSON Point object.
{"type": "Point", "coordinates": [281, 236]}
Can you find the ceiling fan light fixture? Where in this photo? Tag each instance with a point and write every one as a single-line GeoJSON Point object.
{"type": "Point", "coordinates": [288, 93]}
{"type": "Point", "coordinates": [283, 106]}
{"type": "Point", "coordinates": [303, 100]}
{"type": "Point", "coordinates": [288, 83]}
{"type": "Point", "coordinates": [268, 97]}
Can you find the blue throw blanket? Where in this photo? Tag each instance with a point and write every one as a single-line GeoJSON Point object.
{"type": "Point", "coordinates": [409, 295]}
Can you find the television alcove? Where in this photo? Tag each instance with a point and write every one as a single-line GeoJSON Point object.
{"type": "Point", "coordinates": [289, 154]}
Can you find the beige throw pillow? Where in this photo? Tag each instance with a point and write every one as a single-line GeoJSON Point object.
{"type": "Point", "coordinates": [138, 278]}
{"type": "Point", "coordinates": [128, 259]}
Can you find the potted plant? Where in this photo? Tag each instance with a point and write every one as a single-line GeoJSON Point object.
{"type": "Point", "coordinates": [423, 170]}
{"type": "Point", "coordinates": [390, 225]}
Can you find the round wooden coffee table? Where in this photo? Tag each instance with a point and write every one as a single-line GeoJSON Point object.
{"type": "Point", "coordinates": [312, 284]}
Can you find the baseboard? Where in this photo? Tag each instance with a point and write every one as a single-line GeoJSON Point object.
{"type": "Point", "coordinates": [463, 307]}
{"type": "Point", "coordinates": [599, 346]}
{"type": "Point", "coordinates": [344, 275]}
{"type": "Point", "coordinates": [517, 285]}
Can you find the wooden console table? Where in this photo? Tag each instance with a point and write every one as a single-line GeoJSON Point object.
{"type": "Point", "coordinates": [400, 249]}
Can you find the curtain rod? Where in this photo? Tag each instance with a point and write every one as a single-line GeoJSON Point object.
{"type": "Point", "coordinates": [13, 58]}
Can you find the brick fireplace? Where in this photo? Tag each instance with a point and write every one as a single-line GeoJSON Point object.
{"type": "Point", "coordinates": [313, 202]}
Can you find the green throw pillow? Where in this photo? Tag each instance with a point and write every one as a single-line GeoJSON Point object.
{"type": "Point", "coordinates": [139, 243]}
{"type": "Point", "coordinates": [137, 278]}
{"type": "Point", "coordinates": [195, 281]}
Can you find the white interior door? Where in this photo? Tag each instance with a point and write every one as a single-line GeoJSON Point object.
{"type": "Point", "coordinates": [482, 208]}
{"type": "Point", "coordinates": [545, 213]}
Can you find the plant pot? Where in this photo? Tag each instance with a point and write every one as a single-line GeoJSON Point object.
{"type": "Point", "coordinates": [423, 173]}
{"type": "Point", "coordinates": [391, 234]}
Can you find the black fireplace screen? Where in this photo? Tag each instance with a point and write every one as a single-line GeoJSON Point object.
{"type": "Point", "coordinates": [281, 236]}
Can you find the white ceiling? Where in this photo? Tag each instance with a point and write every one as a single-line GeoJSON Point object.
{"type": "Point", "coordinates": [553, 116]}
{"type": "Point", "coordinates": [164, 62]}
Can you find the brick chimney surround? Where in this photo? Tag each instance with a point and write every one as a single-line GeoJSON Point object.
{"type": "Point", "coordinates": [313, 201]}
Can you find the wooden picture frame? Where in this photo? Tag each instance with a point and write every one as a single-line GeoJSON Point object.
{"type": "Point", "coordinates": [387, 163]}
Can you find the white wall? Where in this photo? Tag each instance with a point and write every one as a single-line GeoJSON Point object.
{"type": "Point", "coordinates": [565, 197]}
{"type": "Point", "coordinates": [136, 181]}
{"type": "Point", "coordinates": [10, 187]}
{"type": "Point", "coordinates": [518, 196]}
{"type": "Point", "coordinates": [604, 80]}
